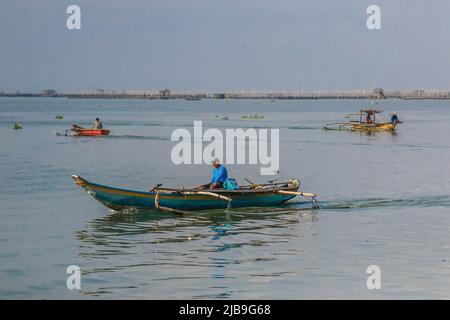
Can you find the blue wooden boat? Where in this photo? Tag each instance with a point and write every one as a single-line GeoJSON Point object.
{"type": "Point", "coordinates": [261, 195]}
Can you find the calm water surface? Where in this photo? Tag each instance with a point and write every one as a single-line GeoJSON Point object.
{"type": "Point", "coordinates": [385, 200]}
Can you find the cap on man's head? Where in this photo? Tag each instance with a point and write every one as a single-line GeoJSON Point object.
{"type": "Point", "coordinates": [216, 160]}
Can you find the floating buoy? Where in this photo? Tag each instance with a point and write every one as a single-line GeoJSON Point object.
{"type": "Point", "coordinates": [17, 126]}
{"type": "Point", "coordinates": [59, 117]}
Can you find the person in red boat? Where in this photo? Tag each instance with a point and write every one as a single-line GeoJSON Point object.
{"type": "Point", "coordinates": [98, 125]}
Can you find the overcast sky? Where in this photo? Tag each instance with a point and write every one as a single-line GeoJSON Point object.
{"type": "Point", "coordinates": [224, 45]}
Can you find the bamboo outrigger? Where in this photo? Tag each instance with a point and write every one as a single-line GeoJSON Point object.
{"type": "Point", "coordinates": [361, 125]}
{"type": "Point", "coordinates": [179, 200]}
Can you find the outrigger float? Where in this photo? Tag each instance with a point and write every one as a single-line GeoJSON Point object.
{"type": "Point", "coordinates": [181, 200]}
{"type": "Point", "coordinates": [361, 125]}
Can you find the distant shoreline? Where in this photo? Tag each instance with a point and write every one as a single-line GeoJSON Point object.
{"type": "Point", "coordinates": [415, 94]}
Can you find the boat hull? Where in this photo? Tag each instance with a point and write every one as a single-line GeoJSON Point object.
{"type": "Point", "coordinates": [386, 126]}
{"type": "Point", "coordinates": [357, 126]}
{"type": "Point", "coordinates": [121, 199]}
{"type": "Point", "coordinates": [91, 132]}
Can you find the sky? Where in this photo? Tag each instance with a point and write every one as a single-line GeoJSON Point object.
{"type": "Point", "coordinates": [224, 45]}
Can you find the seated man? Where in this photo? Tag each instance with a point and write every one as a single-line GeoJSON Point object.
{"type": "Point", "coordinates": [97, 124]}
{"type": "Point", "coordinates": [220, 175]}
{"type": "Point", "coordinates": [368, 119]}
{"type": "Point", "coordinates": [394, 118]}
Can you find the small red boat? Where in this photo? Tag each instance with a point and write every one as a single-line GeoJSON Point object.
{"type": "Point", "coordinates": [91, 132]}
{"type": "Point", "coordinates": [78, 131]}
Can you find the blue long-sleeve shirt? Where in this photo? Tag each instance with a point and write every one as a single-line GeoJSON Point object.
{"type": "Point", "coordinates": [220, 174]}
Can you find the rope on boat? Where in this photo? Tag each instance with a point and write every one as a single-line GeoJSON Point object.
{"type": "Point", "coordinates": [315, 204]}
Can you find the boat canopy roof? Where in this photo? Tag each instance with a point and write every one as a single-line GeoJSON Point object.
{"type": "Point", "coordinates": [371, 111]}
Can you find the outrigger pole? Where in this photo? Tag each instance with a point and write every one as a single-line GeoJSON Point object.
{"type": "Point", "coordinates": [313, 196]}
{"type": "Point", "coordinates": [303, 194]}
{"type": "Point", "coordinates": [161, 208]}
{"type": "Point", "coordinates": [182, 212]}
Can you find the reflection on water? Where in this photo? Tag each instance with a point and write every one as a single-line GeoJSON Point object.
{"type": "Point", "coordinates": [217, 256]}
{"type": "Point", "coordinates": [150, 240]}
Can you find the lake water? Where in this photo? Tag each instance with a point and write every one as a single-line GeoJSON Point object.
{"type": "Point", "coordinates": [385, 201]}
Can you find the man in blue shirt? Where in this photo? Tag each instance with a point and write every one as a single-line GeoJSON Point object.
{"type": "Point", "coordinates": [394, 118]}
{"type": "Point", "coordinates": [219, 176]}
